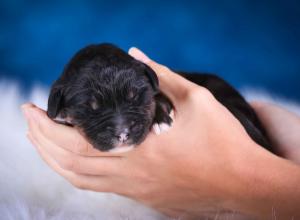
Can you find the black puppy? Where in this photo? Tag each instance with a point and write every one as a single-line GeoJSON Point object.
{"type": "Point", "coordinates": [114, 100]}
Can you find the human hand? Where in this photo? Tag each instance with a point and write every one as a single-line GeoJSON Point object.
{"type": "Point", "coordinates": [199, 167]}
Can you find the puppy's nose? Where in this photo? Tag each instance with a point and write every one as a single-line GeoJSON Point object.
{"type": "Point", "coordinates": [123, 136]}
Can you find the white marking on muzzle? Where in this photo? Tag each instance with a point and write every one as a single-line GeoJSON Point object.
{"type": "Point", "coordinates": [123, 136]}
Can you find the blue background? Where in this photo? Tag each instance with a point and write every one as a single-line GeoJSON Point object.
{"type": "Point", "coordinates": [249, 43]}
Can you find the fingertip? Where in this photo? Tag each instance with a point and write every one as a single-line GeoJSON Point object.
{"type": "Point", "coordinates": [131, 50]}
{"type": "Point", "coordinates": [27, 105]}
{"type": "Point", "coordinates": [30, 111]}
{"type": "Point", "coordinates": [139, 55]}
{"type": "Point", "coordinates": [33, 109]}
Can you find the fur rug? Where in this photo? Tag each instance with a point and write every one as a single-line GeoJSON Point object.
{"type": "Point", "coordinates": [29, 190]}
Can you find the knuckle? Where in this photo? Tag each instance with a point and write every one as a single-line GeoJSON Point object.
{"type": "Point", "coordinates": [69, 163]}
{"type": "Point", "coordinates": [79, 184]}
{"type": "Point", "coordinates": [164, 68]}
{"type": "Point", "coordinates": [198, 93]}
{"type": "Point", "coordinates": [158, 68]}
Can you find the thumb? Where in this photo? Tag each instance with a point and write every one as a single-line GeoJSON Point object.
{"type": "Point", "coordinates": [171, 84]}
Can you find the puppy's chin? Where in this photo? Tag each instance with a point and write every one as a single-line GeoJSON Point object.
{"type": "Point", "coordinates": [121, 149]}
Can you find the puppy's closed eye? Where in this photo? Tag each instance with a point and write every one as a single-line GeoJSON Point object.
{"type": "Point", "coordinates": [94, 104]}
{"type": "Point", "coordinates": [132, 95]}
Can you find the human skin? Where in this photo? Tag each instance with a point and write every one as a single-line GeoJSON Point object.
{"type": "Point", "coordinates": [205, 164]}
{"type": "Point", "coordinates": [283, 129]}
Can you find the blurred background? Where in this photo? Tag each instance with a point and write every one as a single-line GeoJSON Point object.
{"type": "Point", "coordinates": [248, 42]}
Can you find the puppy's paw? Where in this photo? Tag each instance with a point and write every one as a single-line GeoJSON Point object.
{"type": "Point", "coordinates": [159, 128]}
{"type": "Point", "coordinates": [164, 114]}
{"type": "Point", "coordinates": [172, 115]}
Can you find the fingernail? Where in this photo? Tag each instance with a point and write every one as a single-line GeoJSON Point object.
{"type": "Point", "coordinates": [139, 55]}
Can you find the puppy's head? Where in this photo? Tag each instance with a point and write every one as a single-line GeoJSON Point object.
{"type": "Point", "coordinates": [107, 95]}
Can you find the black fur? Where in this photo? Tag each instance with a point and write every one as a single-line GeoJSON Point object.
{"type": "Point", "coordinates": [104, 92]}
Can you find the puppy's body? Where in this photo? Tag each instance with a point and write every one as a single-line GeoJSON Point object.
{"type": "Point", "coordinates": [115, 100]}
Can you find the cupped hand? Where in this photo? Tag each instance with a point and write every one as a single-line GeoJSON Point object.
{"type": "Point", "coordinates": [197, 167]}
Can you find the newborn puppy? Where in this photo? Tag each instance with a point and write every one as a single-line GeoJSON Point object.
{"type": "Point", "coordinates": [114, 100]}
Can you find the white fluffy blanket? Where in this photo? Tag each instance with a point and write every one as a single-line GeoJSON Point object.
{"type": "Point", "coordinates": [29, 190]}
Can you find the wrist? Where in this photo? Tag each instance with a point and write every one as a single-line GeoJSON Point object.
{"type": "Point", "coordinates": [269, 185]}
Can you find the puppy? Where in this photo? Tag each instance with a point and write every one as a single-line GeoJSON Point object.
{"type": "Point", "coordinates": [114, 100]}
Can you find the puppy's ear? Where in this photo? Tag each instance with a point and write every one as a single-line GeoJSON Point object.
{"type": "Point", "coordinates": [152, 78]}
{"type": "Point", "coordinates": [55, 101]}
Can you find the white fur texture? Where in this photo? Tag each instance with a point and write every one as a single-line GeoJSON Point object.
{"type": "Point", "coordinates": [30, 190]}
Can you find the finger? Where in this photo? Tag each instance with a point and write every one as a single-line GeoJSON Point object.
{"type": "Point", "coordinates": [95, 183]}
{"type": "Point", "coordinates": [77, 163]}
{"type": "Point", "coordinates": [173, 85]}
{"type": "Point", "coordinates": [63, 136]}
{"type": "Point", "coordinates": [27, 105]}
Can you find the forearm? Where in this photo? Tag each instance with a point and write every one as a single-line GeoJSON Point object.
{"type": "Point", "coordinates": [272, 187]}
{"type": "Point", "coordinates": [282, 127]}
